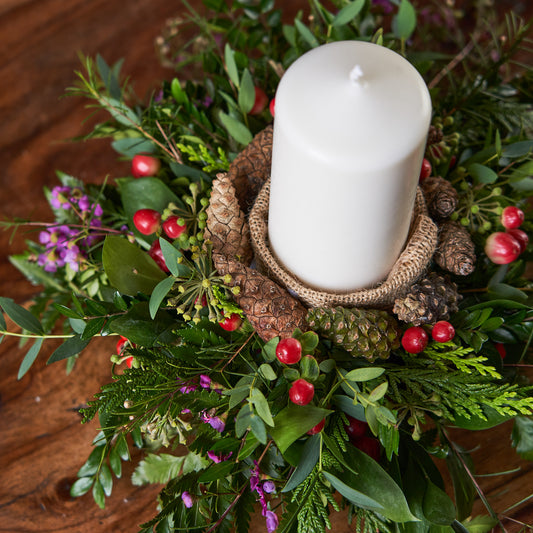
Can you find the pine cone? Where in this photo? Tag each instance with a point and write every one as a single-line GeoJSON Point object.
{"type": "Point", "coordinates": [441, 197]}
{"type": "Point", "coordinates": [226, 227]}
{"type": "Point", "coordinates": [251, 168]}
{"type": "Point", "coordinates": [430, 300]}
{"type": "Point", "coordinates": [368, 333]}
{"type": "Point", "coordinates": [455, 249]}
{"type": "Point", "coordinates": [271, 310]}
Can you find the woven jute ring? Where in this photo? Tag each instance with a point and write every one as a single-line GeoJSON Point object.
{"type": "Point", "coordinates": [409, 267]}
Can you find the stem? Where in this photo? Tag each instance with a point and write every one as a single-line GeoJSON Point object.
{"type": "Point", "coordinates": [238, 351]}
{"type": "Point", "coordinates": [30, 336]}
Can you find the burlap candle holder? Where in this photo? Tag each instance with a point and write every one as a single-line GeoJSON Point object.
{"type": "Point", "coordinates": [409, 267]}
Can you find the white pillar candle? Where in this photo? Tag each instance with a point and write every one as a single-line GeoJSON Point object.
{"type": "Point", "coordinates": [349, 135]}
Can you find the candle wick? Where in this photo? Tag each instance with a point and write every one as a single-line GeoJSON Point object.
{"type": "Point", "coordinates": [356, 75]}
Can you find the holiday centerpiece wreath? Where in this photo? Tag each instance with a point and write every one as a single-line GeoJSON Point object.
{"type": "Point", "coordinates": [302, 400]}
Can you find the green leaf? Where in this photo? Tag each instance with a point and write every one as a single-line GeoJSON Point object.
{"type": "Point", "coordinates": [309, 342]}
{"type": "Point", "coordinates": [257, 426]}
{"type": "Point", "coordinates": [243, 420]}
{"type": "Point", "coordinates": [378, 392]}
{"type": "Point", "coordinates": [231, 66]}
{"type": "Point", "coordinates": [267, 372]}
{"type": "Point", "coordinates": [480, 524]}
{"type": "Point", "coordinates": [177, 92]}
{"type": "Point", "coordinates": [66, 311]}
{"type": "Point", "coordinates": [29, 358]}
{"type": "Point", "coordinates": [90, 467]}
{"type": "Point", "coordinates": [72, 346]}
{"type": "Point", "coordinates": [348, 13]}
{"type": "Point", "coordinates": [246, 92]}
{"type": "Point", "coordinates": [131, 146]}
{"type": "Point", "coordinates": [309, 368]}
{"type": "Point", "coordinates": [236, 129]}
{"type": "Point", "coordinates": [171, 256]}
{"type": "Point", "coordinates": [437, 506]}
{"type": "Point", "coordinates": [482, 174]}
{"type": "Point", "coordinates": [129, 269]}
{"type": "Point", "coordinates": [81, 486]}
{"type": "Point", "coordinates": [93, 327]}
{"type": "Point", "coordinates": [306, 33]}
{"type": "Point", "coordinates": [120, 111]}
{"type": "Point", "coordinates": [310, 455]}
{"type": "Point", "coordinates": [359, 468]}
{"type": "Point", "coordinates": [294, 421]}
{"type": "Point", "coordinates": [506, 292]}
{"type": "Point", "coordinates": [115, 462]}
{"type": "Point", "coordinates": [522, 437]}
{"type": "Point", "coordinates": [216, 471]}
{"type": "Point", "coordinates": [517, 149]}
{"type": "Point", "coordinates": [346, 404]}
{"type": "Point", "coordinates": [250, 444]}
{"type": "Point", "coordinates": [404, 22]}
{"type": "Point", "coordinates": [159, 293]}
{"type": "Point", "coordinates": [122, 448]}
{"type": "Point", "coordinates": [269, 350]}
{"type": "Point", "coordinates": [22, 317]}
{"type": "Point", "coordinates": [98, 494]}
{"type": "Point", "coordinates": [145, 193]}
{"type": "Point", "coordinates": [261, 406]}
{"type": "Point", "coordinates": [163, 467]}
{"type": "Point", "coordinates": [364, 374]}
{"type": "Point", "coordinates": [357, 498]}
{"type": "Point", "coordinates": [523, 171]}
{"type": "Point", "coordinates": [106, 479]}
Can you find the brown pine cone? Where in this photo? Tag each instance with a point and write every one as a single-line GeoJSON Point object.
{"type": "Point", "coordinates": [227, 228]}
{"type": "Point", "coordinates": [441, 197]}
{"type": "Point", "coordinates": [434, 136]}
{"type": "Point", "coordinates": [251, 168]}
{"type": "Point", "coordinates": [455, 249]}
{"type": "Point", "coordinates": [271, 310]}
{"type": "Point", "coordinates": [431, 299]}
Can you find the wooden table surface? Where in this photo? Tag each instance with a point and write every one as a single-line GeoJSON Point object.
{"type": "Point", "coordinates": [42, 443]}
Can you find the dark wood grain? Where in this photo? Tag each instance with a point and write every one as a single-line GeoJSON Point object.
{"type": "Point", "coordinates": [42, 443]}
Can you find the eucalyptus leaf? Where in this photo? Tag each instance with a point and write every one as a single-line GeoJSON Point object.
{"type": "Point", "coordinates": [30, 357]}
{"type": "Point", "coordinates": [482, 173]}
{"type": "Point", "coordinates": [348, 13]}
{"type": "Point", "coordinates": [231, 66]}
{"type": "Point", "coordinates": [310, 455]}
{"type": "Point", "coordinates": [357, 498]}
{"type": "Point", "coordinates": [246, 92]}
{"type": "Point", "coordinates": [267, 372]}
{"type": "Point", "coordinates": [261, 406]}
{"type": "Point", "coordinates": [131, 146]}
{"type": "Point", "coordinates": [236, 129]}
{"type": "Point", "coordinates": [257, 426]}
{"type": "Point", "coordinates": [346, 404]}
{"type": "Point", "coordinates": [364, 374]}
{"type": "Point", "coordinates": [404, 22]}
{"type": "Point", "coordinates": [158, 295]}
{"type": "Point", "coordinates": [306, 33]}
{"type": "Point", "coordinates": [21, 316]}
{"type": "Point", "coordinates": [437, 505]}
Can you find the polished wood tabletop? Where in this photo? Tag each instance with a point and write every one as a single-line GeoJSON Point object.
{"type": "Point", "coordinates": [42, 442]}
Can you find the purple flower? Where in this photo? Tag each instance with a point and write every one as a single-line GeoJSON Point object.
{"type": "Point", "coordinates": [385, 4]}
{"type": "Point", "coordinates": [271, 520]}
{"type": "Point", "coordinates": [187, 389]}
{"type": "Point", "coordinates": [216, 423]}
{"type": "Point", "coordinates": [84, 204]}
{"type": "Point", "coordinates": [207, 101]}
{"type": "Point", "coordinates": [98, 211]}
{"type": "Point", "coordinates": [205, 381]}
{"type": "Point", "coordinates": [269, 486]}
{"type": "Point", "coordinates": [50, 261]}
{"type": "Point", "coordinates": [187, 499]}
{"type": "Point", "coordinates": [59, 199]}
{"type": "Point", "coordinates": [218, 458]}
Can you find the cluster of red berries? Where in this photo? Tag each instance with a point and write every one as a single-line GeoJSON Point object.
{"type": "Point", "coordinates": [503, 248]}
{"type": "Point", "coordinates": [415, 338]}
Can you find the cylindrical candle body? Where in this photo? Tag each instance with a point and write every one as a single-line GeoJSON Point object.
{"type": "Point", "coordinates": [349, 135]}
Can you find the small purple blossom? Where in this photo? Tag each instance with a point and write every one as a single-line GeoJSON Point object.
{"type": "Point", "coordinates": [218, 458]}
{"type": "Point", "coordinates": [187, 389]}
{"type": "Point", "coordinates": [98, 211]}
{"type": "Point", "coordinates": [216, 423]}
{"type": "Point", "coordinates": [386, 5]}
{"type": "Point", "coordinates": [187, 499]}
{"type": "Point", "coordinates": [59, 198]}
{"type": "Point", "coordinates": [83, 203]}
{"type": "Point", "coordinates": [205, 381]}
{"type": "Point", "coordinates": [207, 101]}
{"type": "Point", "coordinates": [269, 486]}
{"type": "Point", "coordinates": [271, 520]}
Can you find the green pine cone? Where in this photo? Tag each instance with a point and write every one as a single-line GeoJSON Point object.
{"type": "Point", "coordinates": [368, 333]}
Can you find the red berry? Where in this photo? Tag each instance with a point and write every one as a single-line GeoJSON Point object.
{"type": "Point", "coordinates": [318, 428]}
{"type": "Point", "coordinates": [129, 361]}
{"type": "Point", "coordinates": [201, 301]}
{"type": "Point", "coordinates": [272, 106]}
{"type": "Point", "coordinates": [512, 217]}
{"type": "Point", "coordinates": [289, 351]}
{"type": "Point", "coordinates": [501, 349]}
{"type": "Point", "coordinates": [231, 323]}
{"type": "Point", "coordinates": [415, 339]}
{"type": "Point", "coordinates": [261, 100]}
{"type": "Point", "coordinates": [144, 165]}
{"type": "Point", "coordinates": [355, 428]}
{"type": "Point", "coordinates": [172, 228]}
{"type": "Point", "coordinates": [301, 392]}
{"type": "Point", "coordinates": [370, 446]}
{"type": "Point", "coordinates": [156, 254]}
{"type": "Point", "coordinates": [147, 221]}
{"type": "Point", "coordinates": [520, 236]}
{"type": "Point", "coordinates": [502, 248]}
{"type": "Point", "coordinates": [443, 331]}
{"type": "Point", "coordinates": [425, 171]}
